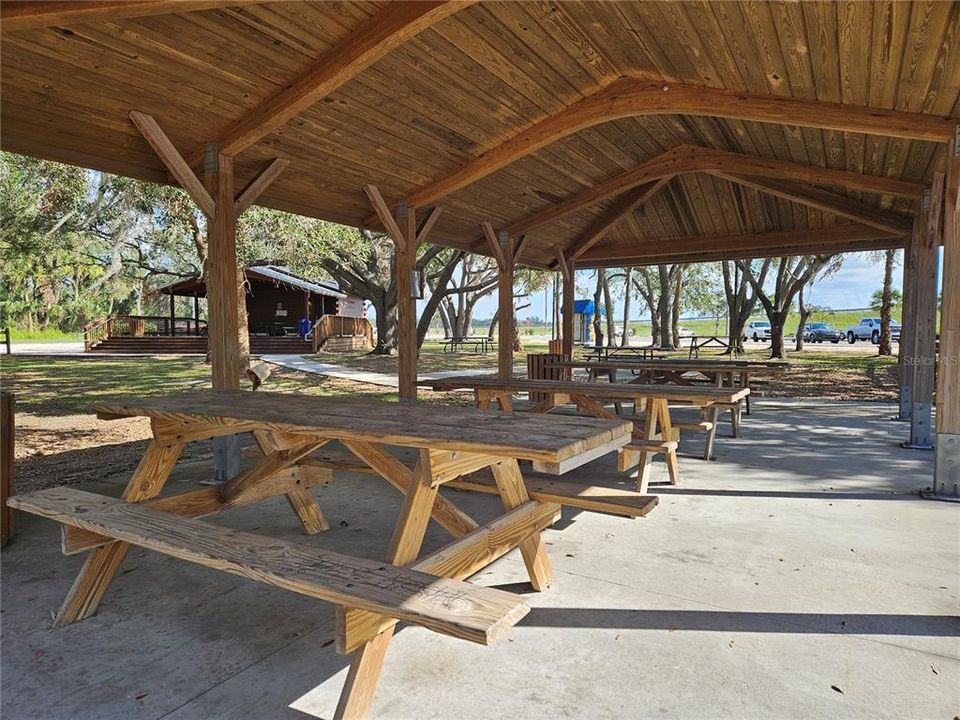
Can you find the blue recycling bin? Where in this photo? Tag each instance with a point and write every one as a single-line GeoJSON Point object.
{"type": "Point", "coordinates": [304, 326]}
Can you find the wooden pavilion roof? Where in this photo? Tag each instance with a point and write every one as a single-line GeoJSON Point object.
{"type": "Point", "coordinates": [617, 131]}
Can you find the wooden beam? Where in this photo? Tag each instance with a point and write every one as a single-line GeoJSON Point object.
{"type": "Point", "coordinates": [248, 196]}
{"type": "Point", "coordinates": [392, 26]}
{"type": "Point", "coordinates": [684, 159]}
{"type": "Point", "coordinates": [885, 220]}
{"type": "Point", "coordinates": [632, 97]}
{"type": "Point", "coordinates": [569, 291]}
{"type": "Point", "coordinates": [427, 225]}
{"type": "Point", "coordinates": [630, 202]}
{"type": "Point", "coordinates": [505, 306]}
{"type": "Point", "coordinates": [836, 238]}
{"type": "Point", "coordinates": [222, 283]}
{"type": "Point", "coordinates": [406, 225]}
{"type": "Point", "coordinates": [383, 213]}
{"type": "Point", "coordinates": [561, 262]}
{"type": "Point", "coordinates": [493, 244]}
{"type": "Point", "coordinates": [18, 15]}
{"type": "Point", "coordinates": [519, 248]}
{"type": "Point", "coordinates": [947, 458]}
{"type": "Point", "coordinates": [175, 163]}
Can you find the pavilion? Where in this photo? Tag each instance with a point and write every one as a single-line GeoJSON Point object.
{"type": "Point", "coordinates": [555, 135]}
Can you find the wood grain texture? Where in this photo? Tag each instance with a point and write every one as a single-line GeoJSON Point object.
{"type": "Point", "coordinates": [948, 371]}
{"type": "Point", "coordinates": [492, 433]}
{"type": "Point", "coordinates": [16, 15]}
{"type": "Point", "coordinates": [458, 560]}
{"type": "Point", "coordinates": [513, 494]}
{"type": "Point", "coordinates": [447, 606]}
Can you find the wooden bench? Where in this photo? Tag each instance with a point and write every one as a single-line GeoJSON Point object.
{"type": "Point", "coordinates": [451, 607]}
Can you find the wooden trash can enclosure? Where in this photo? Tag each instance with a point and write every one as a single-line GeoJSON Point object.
{"type": "Point", "coordinates": [542, 366]}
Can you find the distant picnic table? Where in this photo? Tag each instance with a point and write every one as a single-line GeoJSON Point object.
{"type": "Point", "coordinates": [370, 596]}
{"type": "Point", "coordinates": [479, 343]}
{"type": "Point", "coordinates": [658, 434]}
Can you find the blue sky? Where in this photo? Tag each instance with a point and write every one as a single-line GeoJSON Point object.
{"type": "Point", "coordinates": [849, 288]}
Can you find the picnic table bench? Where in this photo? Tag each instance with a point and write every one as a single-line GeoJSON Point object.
{"type": "Point", "coordinates": [370, 596]}
{"type": "Point", "coordinates": [659, 434]}
{"type": "Point", "coordinates": [479, 343]}
{"type": "Point", "coordinates": [624, 352]}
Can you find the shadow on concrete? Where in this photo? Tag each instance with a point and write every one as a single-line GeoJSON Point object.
{"type": "Point", "coordinates": [758, 622]}
{"type": "Point", "coordinates": [788, 494]}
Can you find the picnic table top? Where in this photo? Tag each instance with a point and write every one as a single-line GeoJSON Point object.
{"type": "Point", "coordinates": [627, 391]}
{"type": "Point", "coordinates": [718, 365]}
{"type": "Point", "coordinates": [522, 436]}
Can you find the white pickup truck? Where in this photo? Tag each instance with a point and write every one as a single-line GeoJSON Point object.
{"type": "Point", "coordinates": [869, 329]}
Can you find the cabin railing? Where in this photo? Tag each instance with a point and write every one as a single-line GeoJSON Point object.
{"type": "Point", "coordinates": [329, 326]}
{"type": "Point", "coordinates": [140, 326]}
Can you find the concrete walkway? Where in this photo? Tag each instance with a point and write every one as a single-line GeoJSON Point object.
{"type": "Point", "coordinates": [309, 365]}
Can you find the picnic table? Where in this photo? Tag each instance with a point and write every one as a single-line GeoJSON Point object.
{"type": "Point", "coordinates": [659, 434]}
{"type": "Point", "coordinates": [732, 373]}
{"type": "Point", "coordinates": [370, 596]}
{"type": "Point", "coordinates": [480, 344]}
{"type": "Point", "coordinates": [625, 352]}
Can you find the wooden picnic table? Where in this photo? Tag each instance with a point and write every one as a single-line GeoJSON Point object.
{"type": "Point", "coordinates": [480, 344]}
{"type": "Point", "coordinates": [370, 596]}
{"type": "Point", "coordinates": [659, 434]}
{"type": "Point", "coordinates": [733, 373]}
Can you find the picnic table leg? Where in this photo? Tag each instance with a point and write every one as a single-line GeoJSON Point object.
{"type": "Point", "coordinates": [668, 432]}
{"type": "Point", "coordinates": [103, 562]}
{"type": "Point", "coordinates": [513, 493]}
{"type": "Point", "coordinates": [713, 415]}
{"type": "Point", "coordinates": [745, 382]}
{"type": "Point", "coordinates": [645, 457]}
{"type": "Point", "coordinates": [367, 662]}
{"type": "Point", "coordinates": [302, 501]}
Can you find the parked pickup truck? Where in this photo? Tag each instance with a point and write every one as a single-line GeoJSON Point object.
{"type": "Point", "coordinates": [869, 329]}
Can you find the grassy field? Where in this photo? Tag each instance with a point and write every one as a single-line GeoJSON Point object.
{"type": "Point", "coordinates": [45, 335]}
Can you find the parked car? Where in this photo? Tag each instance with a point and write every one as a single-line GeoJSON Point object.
{"type": "Point", "coordinates": [818, 332]}
{"type": "Point", "coordinates": [869, 329]}
{"type": "Point", "coordinates": [685, 332]}
{"type": "Point", "coordinates": [757, 331]}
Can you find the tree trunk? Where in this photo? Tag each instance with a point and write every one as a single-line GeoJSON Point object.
{"type": "Point", "coordinates": [885, 344]}
{"type": "Point", "coordinates": [675, 308]}
{"type": "Point", "coordinates": [243, 328]}
{"type": "Point", "coordinates": [608, 310]}
{"type": "Point", "coordinates": [804, 316]}
{"type": "Point", "coordinates": [664, 309]}
{"type": "Point", "coordinates": [627, 296]}
{"type": "Point", "coordinates": [777, 348]}
{"type": "Point", "coordinates": [386, 319]}
{"type": "Point", "coordinates": [597, 322]}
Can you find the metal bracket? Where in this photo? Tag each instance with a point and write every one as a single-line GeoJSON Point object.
{"type": "Point", "coordinates": [946, 469]}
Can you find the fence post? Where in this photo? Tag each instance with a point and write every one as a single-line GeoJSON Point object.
{"type": "Point", "coordinates": [6, 339]}
{"type": "Point", "coordinates": [7, 413]}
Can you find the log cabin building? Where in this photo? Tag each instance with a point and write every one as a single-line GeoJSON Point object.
{"type": "Point", "coordinates": [277, 300]}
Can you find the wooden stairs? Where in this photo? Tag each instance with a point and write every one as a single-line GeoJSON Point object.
{"type": "Point", "coordinates": [187, 345]}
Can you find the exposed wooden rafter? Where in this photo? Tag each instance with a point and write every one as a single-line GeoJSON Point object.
{"type": "Point", "coordinates": [630, 202]}
{"type": "Point", "coordinates": [396, 23]}
{"type": "Point", "coordinates": [629, 97]}
{"type": "Point", "coordinates": [253, 189]}
{"type": "Point", "coordinates": [28, 14]}
{"type": "Point", "coordinates": [846, 237]}
{"type": "Point", "coordinates": [885, 220]}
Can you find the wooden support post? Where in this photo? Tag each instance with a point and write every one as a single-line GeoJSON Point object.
{"type": "Point", "coordinates": [569, 292]}
{"type": "Point", "coordinates": [196, 314]}
{"type": "Point", "coordinates": [8, 411]}
{"type": "Point", "coordinates": [920, 363]}
{"type": "Point", "coordinates": [907, 326]}
{"type": "Point", "coordinates": [502, 248]}
{"type": "Point", "coordinates": [946, 472]}
{"type": "Point", "coordinates": [406, 303]}
{"type": "Point", "coordinates": [223, 327]}
{"type": "Point", "coordinates": [173, 314]}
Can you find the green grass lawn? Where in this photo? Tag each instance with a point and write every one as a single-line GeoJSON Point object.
{"type": "Point", "coordinates": [44, 335]}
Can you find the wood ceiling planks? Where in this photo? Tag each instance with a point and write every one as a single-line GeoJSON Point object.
{"type": "Point", "coordinates": [481, 76]}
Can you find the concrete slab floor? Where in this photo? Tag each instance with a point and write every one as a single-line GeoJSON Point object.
{"type": "Point", "coordinates": [798, 576]}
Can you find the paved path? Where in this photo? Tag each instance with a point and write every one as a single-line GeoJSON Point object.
{"type": "Point", "coordinates": [303, 364]}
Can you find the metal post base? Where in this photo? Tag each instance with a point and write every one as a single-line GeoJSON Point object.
{"type": "Point", "coordinates": [226, 458]}
{"type": "Point", "coordinates": [946, 469]}
{"type": "Point", "coordinates": [906, 402]}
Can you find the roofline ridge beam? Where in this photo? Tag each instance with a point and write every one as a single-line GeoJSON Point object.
{"type": "Point", "coordinates": [633, 97]}
{"type": "Point", "coordinates": [380, 34]}
{"type": "Point", "coordinates": [174, 162]}
{"type": "Point", "coordinates": [886, 220]}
